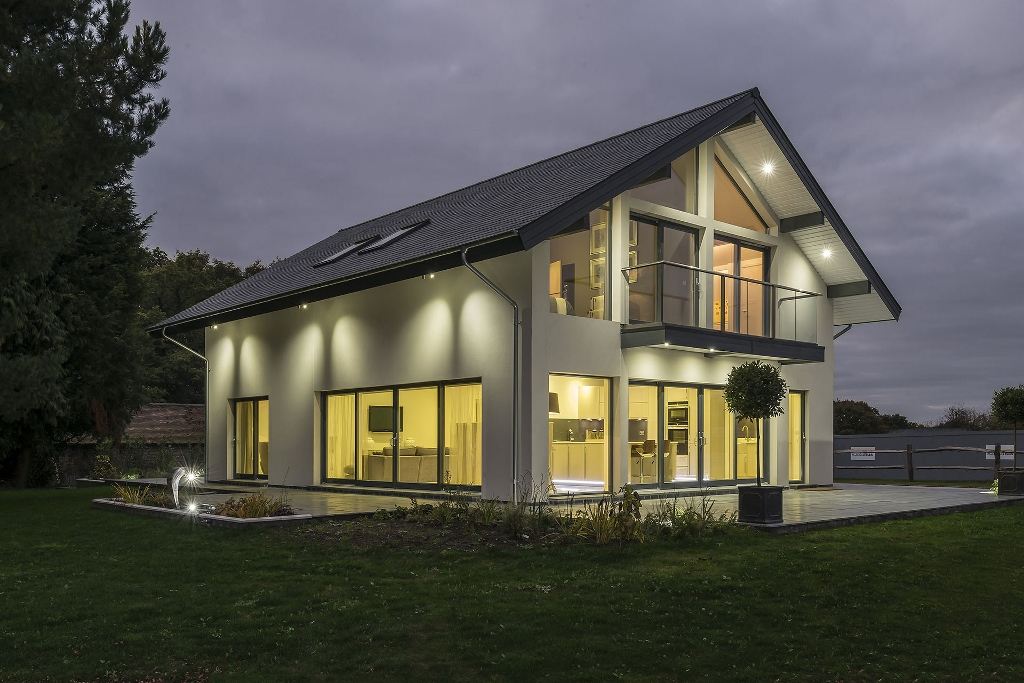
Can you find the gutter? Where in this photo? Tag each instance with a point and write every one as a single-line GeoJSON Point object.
{"type": "Point", "coordinates": [515, 367]}
{"type": "Point", "coordinates": [206, 401]}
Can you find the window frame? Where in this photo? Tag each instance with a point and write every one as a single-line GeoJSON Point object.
{"type": "Point", "coordinates": [254, 400]}
{"type": "Point", "coordinates": [394, 482]}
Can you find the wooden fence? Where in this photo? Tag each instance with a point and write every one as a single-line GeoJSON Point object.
{"type": "Point", "coordinates": [910, 466]}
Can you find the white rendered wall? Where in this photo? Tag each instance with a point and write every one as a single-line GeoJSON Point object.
{"type": "Point", "coordinates": [421, 330]}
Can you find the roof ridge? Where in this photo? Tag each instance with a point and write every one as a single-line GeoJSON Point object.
{"type": "Point", "coordinates": [749, 91]}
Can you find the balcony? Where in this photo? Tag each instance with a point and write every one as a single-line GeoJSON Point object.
{"type": "Point", "coordinates": [674, 304]}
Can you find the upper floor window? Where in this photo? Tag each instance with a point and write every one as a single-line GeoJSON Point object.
{"type": "Point", "coordinates": [731, 203]}
{"type": "Point", "coordinates": [674, 186]}
{"type": "Point", "coordinates": [578, 269]}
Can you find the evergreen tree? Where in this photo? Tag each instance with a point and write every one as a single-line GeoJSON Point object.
{"type": "Point", "coordinates": [76, 110]}
{"type": "Point", "coordinates": [172, 285]}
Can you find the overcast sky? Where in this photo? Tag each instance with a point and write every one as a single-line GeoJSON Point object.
{"type": "Point", "coordinates": [290, 120]}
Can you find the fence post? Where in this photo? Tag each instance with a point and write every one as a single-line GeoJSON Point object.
{"type": "Point", "coordinates": [995, 467]}
{"type": "Point", "coordinates": [910, 462]}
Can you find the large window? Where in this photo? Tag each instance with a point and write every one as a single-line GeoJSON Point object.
{"type": "Point", "coordinates": [643, 433]}
{"type": "Point", "coordinates": [739, 292]}
{"type": "Point", "coordinates": [462, 436]}
{"type": "Point", "coordinates": [797, 436]}
{"type": "Point", "coordinates": [578, 441]}
{"type": "Point", "coordinates": [701, 442]}
{"type": "Point", "coordinates": [423, 435]}
{"type": "Point", "coordinates": [674, 186]}
{"type": "Point", "coordinates": [252, 438]}
{"type": "Point", "coordinates": [341, 436]}
{"type": "Point", "coordinates": [578, 270]}
{"type": "Point", "coordinates": [662, 292]}
{"type": "Point", "coordinates": [732, 205]}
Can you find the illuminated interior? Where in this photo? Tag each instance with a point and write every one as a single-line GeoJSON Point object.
{"type": "Point", "coordinates": [662, 292]}
{"type": "Point", "coordinates": [675, 186]}
{"type": "Point", "coordinates": [578, 436]}
{"type": "Point", "coordinates": [714, 449]}
{"type": "Point", "coordinates": [797, 436]}
{"type": "Point", "coordinates": [731, 205]}
{"type": "Point", "coordinates": [643, 434]}
{"type": "Point", "coordinates": [578, 269]}
{"type": "Point", "coordinates": [252, 438]}
{"type": "Point", "coordinates": [739, 304]}
{"type": "Point", "coordinates": [679, 438]}
{"type": "Point", "coordinates": [363, 428]}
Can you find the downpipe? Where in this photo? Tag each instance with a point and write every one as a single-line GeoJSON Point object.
{"type": "Point", "coordinates": [206, 401]}
{"type": "Point", "coordinates": [515, 367]}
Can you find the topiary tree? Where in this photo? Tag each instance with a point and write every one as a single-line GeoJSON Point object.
{"type": "Point", "coordinates": [755, 391]}
{"type": "Point", "coordinates": [1008, 408]}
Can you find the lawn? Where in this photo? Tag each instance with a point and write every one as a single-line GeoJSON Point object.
{"type": "Point", "coordinates": [89, 594]}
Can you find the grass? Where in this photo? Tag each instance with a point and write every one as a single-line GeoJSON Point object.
{"type": "Point", "coordinates": [96, 595]}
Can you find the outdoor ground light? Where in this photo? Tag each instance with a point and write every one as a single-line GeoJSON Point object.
{"type": "Point", "coordinates": [193, 507]}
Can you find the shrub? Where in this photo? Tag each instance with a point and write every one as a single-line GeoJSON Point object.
{"type": "Point", "coordinates": [104, 468]}
{"type": "Point", "coordinates": [254, 505]}
{"type": "Point", "coordinates": [131, 494]}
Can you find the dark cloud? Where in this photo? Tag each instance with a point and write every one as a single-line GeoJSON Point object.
{"type": "Point", "coordinates": [291, 120]}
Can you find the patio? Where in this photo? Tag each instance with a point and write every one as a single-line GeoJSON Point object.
{"type": "Point", "coordinates": [803, 509]}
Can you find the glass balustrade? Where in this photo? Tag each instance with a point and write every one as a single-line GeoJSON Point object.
{"type": "Point", "coordinates": [664, 292]}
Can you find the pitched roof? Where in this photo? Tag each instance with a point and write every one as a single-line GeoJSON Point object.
{"type": "Point", "coordinates": [509, 212]}
{"type": "Point", "coordinates": [501, 206]}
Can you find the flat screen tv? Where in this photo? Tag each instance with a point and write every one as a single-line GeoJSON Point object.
{"type": "Point", "coordinates": [381, 419]}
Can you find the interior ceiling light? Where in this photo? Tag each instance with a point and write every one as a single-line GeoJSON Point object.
{"type": "Point", "coordinates": [768, 168]}
{"type": "Point", "coordinates": [826, 253]}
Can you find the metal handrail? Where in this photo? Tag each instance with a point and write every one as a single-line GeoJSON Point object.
{"type": "Point", "coordinates": [741, 278]}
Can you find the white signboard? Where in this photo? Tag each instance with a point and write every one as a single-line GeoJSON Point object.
{"type": "Point", "coordinates": [862, 453]}
{"type": "Point", "coordinates": [1005, 452]}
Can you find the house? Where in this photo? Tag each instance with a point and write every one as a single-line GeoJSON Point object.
{"type": "Point", "coordinates": [564, 327]}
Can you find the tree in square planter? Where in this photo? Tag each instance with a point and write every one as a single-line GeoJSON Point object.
{"type": "Point", "coordinates": [755, 391]}
{"type": "Point", "coordinates": [1008, 408]}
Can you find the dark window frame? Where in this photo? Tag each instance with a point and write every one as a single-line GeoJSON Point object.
{"type": "Point", "coordinates": [394, 483]}
{"type": "Point", "coordinates": [254, 400]}
{"type": "Point", "coordinates": [700, 482]}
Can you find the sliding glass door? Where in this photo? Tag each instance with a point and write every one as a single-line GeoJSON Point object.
{"type": "Point", "coordinates": [413, 436]}
{"type": "Point", "coordinates": [252, 438]}
{"type": "Point", "coordinates": [700, 442]}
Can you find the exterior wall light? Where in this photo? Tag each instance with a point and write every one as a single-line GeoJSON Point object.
{"type": "Point", "coordinates": [214, 327]}
{"type": "Point", "coordinates": [304, 306]}
{"type": "Point", "coordinates": [431, 276]}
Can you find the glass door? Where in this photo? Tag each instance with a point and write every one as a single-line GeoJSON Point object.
{"type": "Point", "coordinates": [797, 437]}
{"type": "Point", "coordinates": [680, 458]}
{"type": "Point", "coordinates": [747, 449]}
{"type": "Point", "coordinates": [376, 435]}
{"type": "Point", "coordinates": [252, 438]}
{"type": "Point", "coordinates": [718, 437]}
{"type": "Point", "coordinates": [417, 435]}
{"type": "Point", "coordinates": [739, 295]}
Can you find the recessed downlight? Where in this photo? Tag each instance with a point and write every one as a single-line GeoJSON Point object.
{"type": "Point", "coordinates": [826, 253]}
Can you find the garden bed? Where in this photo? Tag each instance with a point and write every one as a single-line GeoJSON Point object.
{"type": "Point", "coordinates": [199, 517]}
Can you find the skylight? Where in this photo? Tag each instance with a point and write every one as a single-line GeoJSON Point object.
{"type": "Point", "coordinates": [385, 240]}
{"type": "Point", "coordinates": [345, 251]}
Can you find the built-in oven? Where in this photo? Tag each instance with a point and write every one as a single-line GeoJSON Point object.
{"type": "Point", "coordinates": [678, 414]}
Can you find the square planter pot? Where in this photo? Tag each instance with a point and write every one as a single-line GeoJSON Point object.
{"type": "Point", "coordinates": [1011, 483]}
{"type": "Point", "coordinates": [760, 504]}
